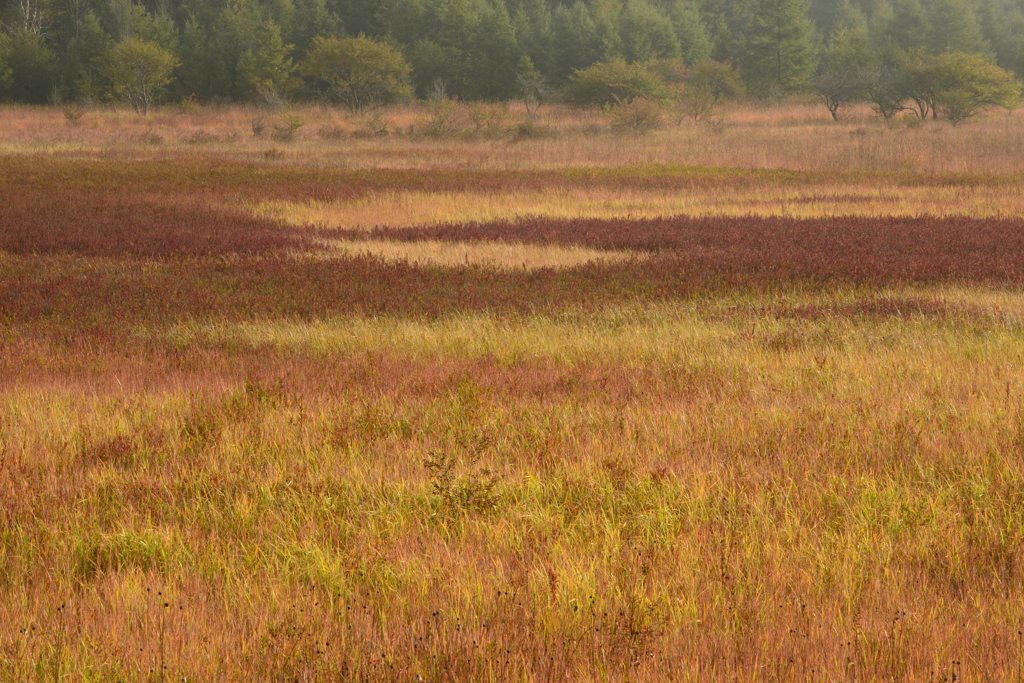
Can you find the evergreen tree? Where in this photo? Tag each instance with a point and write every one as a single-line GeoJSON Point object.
{"type": "Point", "coordinates": [405, 21]}
{"type": "Point", "coordinates": [495, 55]}
{"type": "Point", "coordinates": [34, 67]}
{"type": "Point", "coordinates": [85, 58]}
{"type": "Point", "coordinates": [5, 69]}
{"type": "Point", "coordinates": [694, 41]}
{"type": "Point", "coordinates": [433, 64]}
{"type": "Point", "coordinates": [577, 44]}
{"type": "Point", "coordinates": [606, 15]}
{"type": "Point", "coordinates": [647, 34]}
{"type": "Point", "coordinates": [229, 37]}
{"type": "Point", "coordinates": [954, 28]}
{"type": "Point", "coordinates": [456, 22]}
{"type": "Point", "coordinates": [536, 37]}
{"type": "Point", "coordinates": [908, 26]}
{"type": "Point", "coordinates": [780, 49]}
{"type": "Point", "coordinates": [312, 20]}
{"type": "Point", "coordinates": [195, 74]}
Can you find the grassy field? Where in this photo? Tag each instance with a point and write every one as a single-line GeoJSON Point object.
{"type": "Point", "coordinates": [740, 404]}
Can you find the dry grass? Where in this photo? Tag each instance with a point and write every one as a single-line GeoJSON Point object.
{"type": "Point", "coordinates": [228, 454]}
{"type": "Point", "coordinates": [400, 209]}
{"type": "Point", "coordinates": [482, 254]}
{"type": "Point", "coordinates": [793, 136]}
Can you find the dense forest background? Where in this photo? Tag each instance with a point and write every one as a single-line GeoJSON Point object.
{"type": "Point", "coordinates": [234, 50]}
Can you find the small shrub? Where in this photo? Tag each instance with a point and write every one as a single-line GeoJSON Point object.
{"type": "Point", "coordinates": [488, 119]}
{"type": "Point", "coordinates": [331, 133]}
{"type": "Point", "coordinates": [375, 126]}
{"type": "Point", "coordinates": [188, 105]}
{"type": "Point", "coordinates": [288, 128]}
{"type": "Point", "coordinates": [73, 114]}
{"type": "Point", "coordinates": [475, 490]}
{"type": "Point", "coordinates": [442, 118]}
{"type": "Point", "coordinates": [200, 137]}
{"type": "Point", "coordinates": [531, 130]}
{"type": "Point", "coordinates": [638, 116]}
{"type": "Point", "coordinates": [259, 125]}
{"type": "Point", "coordinates": [149, 138]}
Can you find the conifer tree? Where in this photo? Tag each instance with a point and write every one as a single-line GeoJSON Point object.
{"type": "Point", "coordinates": [954, 28]}
{"type": "Point", "coordinates": [908, 26]}
{"type": "Point", "coordinates": [780, 50]}
{"type": "Point", "coordinates": [494, 55]}
{"type": "Point", "coordinates": [577, 44]}
{"type": "Point", "coordinates": [85, 59]}
{"type": "Point", "coordinates": [5, 70]}
{"type": "Point", "coordinates": [647, 34]}
{"type": "Point", "coordinates": [694, 41]}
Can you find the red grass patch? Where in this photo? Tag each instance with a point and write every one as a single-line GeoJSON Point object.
{"type": "Point", "coordinates": [772, 249]}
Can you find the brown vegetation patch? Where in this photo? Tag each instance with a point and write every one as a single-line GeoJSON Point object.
{"type": "Point", "coordinates": [776, 249]}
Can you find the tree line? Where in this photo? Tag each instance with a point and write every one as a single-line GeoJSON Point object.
{"type": "Point", "coordinates": [897, 54]}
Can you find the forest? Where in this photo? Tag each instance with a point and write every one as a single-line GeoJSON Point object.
{"type": "Point", "coordinates": [90, 51]}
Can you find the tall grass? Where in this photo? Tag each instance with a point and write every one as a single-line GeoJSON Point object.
{"type": "Point", "coordinates": [766, 448]}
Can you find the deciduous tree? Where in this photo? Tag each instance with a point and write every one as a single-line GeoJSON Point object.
{"type": "Point", "coordinates": [964, 84]}
{"type": "Point", "coordinates": [264, 70]}
{"type": "Point", "coordinates": [358, 72]}
{"type": "Point", "coordinates": [612, 82]}
{"type": "Point", "coordinates": [137, 70]}
{"type": "Point", "coordinates": [707, 85]}
{"type": "Point", "coordinates": [847, 59]}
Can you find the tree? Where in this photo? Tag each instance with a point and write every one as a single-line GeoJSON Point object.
{"type": "Point", "coordinates": [533, 87]}
{"type": "Point", "coordinates": [612, 82]}
{"type": "Point", "coordinates": [780, 51]}
{"type": "Point", "coordinates": [885, 83]}
{"type": "Point", "coordinates": [85, 58]}
{"type": "Point", "coordinates": [358, 72]}
{"type": "Point", "coordinates": [576, 40]}
{"type": "Point", "coordinates": [432, 63]}
{"type": "Point", "coordinates": [694, 42]}
{"type": "Point", "coordinates": [195, 75]}
{"type": "Point", "coordinates": [707, 84]}
{"type": "Point", "coordinates": [647, 33]}
{"type": "Point", "coordinates": [907, 28]}
{"type": "Point", "coordinates": [964, 84]}
{"type": "Point", "coordinates": [840, 80]}
{"type": "Point", "coordinates": [954, 28]}
{"type": "Point", "coordinates": [607, 16]}
{"type": "Point", "coordinates": [312, 19]}
{"type": "Point", "coordinates": [264, 70]}
{"type": "Point", "coordinates": [494, 55]}
{"type": "Point", "coordinates": [5, 70]}
{"type": "Point", "coordinates": [34, 68]}
{"type": "Point", "coordinates": [137, 70]}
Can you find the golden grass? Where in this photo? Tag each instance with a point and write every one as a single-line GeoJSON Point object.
{"type": "Point", "coordinates": [480, 254]}
{"type": "Point", "coordinates": [402, 209]}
